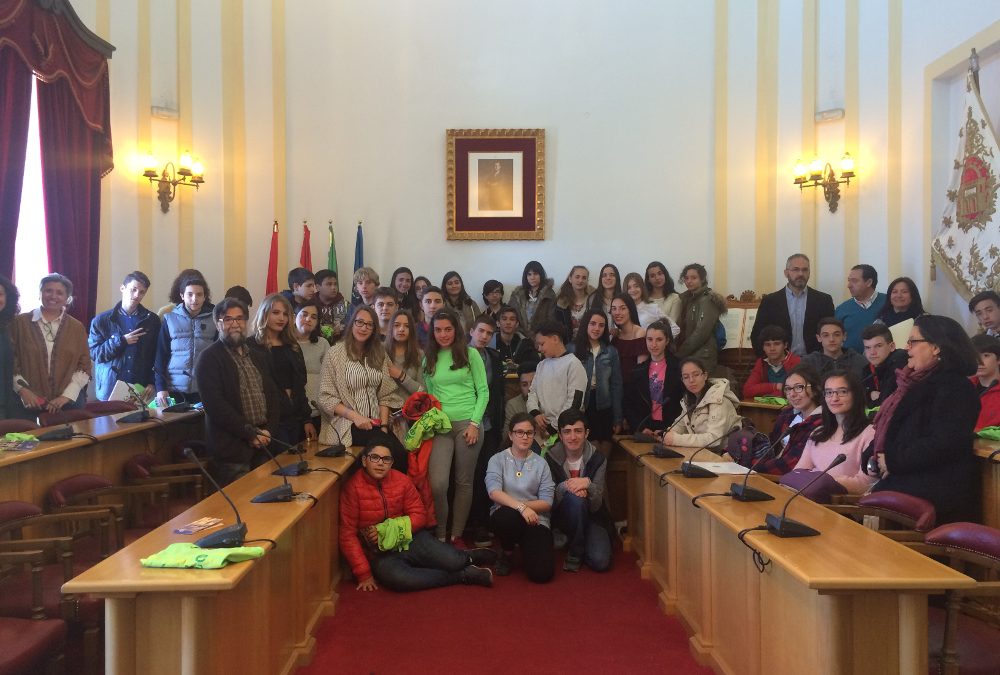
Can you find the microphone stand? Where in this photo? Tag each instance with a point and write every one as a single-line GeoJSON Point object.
{"type": "Point", "coordinates": [282, 493]}
{"type": "Point", "coordinates": [786, 527]}
{"type": "Point", "coordinates": [230, 536]}
{"type": "Point", "coordinates": [336, 450]}
{"type": "Point", "coordinates": [691, 471]}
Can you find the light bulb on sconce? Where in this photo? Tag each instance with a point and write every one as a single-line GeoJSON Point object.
{"type": "Point", "coordinates": [188, 172]}
{"type": "Point", "coordinates": [821, 174]}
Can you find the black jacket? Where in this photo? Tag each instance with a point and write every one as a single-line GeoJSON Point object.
{"type": "Point", "coordinates": [883, 377]}
{"type": "Point", "coordinates": [107, 348]}
{"type": "Point", "coordinates": [928, 446]}
{"type": "Point", "coordinates": [498, 390]}
{"type": "Point", "coordinates": [638, 406]}
{"type": "Point", "coordinates": [219, 384]}
{"type": "Point", "coordinates": [773, 311]}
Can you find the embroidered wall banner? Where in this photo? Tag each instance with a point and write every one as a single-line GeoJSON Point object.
{"type": "Point", "coordinates": [968, 244]}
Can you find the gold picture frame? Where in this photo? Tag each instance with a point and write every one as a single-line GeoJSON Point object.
{"type": "Point", "coordinates": [495, 184]}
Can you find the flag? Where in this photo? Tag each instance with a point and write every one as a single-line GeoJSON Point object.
{"type": "Point", "coordinates": [331, 256]}
{"type": "Point", "coordinates": [271, 283]}
{"type": "Point", "coordinates": [359, 249]}
{"type": "Point", "coordinates": [306, 256]}
{"type": "Point", "coordinates": [968, 244]}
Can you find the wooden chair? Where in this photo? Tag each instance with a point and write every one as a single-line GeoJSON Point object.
{"type": "Point", "coordinates": [99, 408]}
{"type": "Point", "coordinates": [16, 426]}
{"type": "Point", "coordinates": [901, 516]}
{"type": "Point", "coordinates": [64, 417]}
{"type": "Point", "coordinates": [137, 508]}
{"type": "Point", "coordinates": [146, 469]}
{"type": "Point", "coordinates": [35, 645]}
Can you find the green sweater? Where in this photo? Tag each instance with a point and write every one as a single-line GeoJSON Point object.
{"type": "Point", "coordinates": [463, 393]}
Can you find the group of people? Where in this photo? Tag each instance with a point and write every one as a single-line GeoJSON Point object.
{"type": "Point", "coordinates": [632, 354]}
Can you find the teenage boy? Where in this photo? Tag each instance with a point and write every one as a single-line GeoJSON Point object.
{"type": "Point", "coordinates": [768, 375]}
{"type": "Point", "coordinates": [302, 287]}
{"type": "Point", "coordinates": [430, 303]}
{"type": "Point", "coordinates": [987, 380]}
{"type": "Point", "coordinates": [832, 354]}
{"type": "Point", "coordinates": [986, 307]}
{"type": "Point", "coordinates": [883, 361]}
{"type": "Point", "coordinates": [479, 337]}
{"type": "Point", "coordinates": [519, 404]}
{"type": "Point", "coordinates": [385, 305]}
{"type": "Point", "coordinates": [579, 472]}
{"type": "Point", "coordinates": [332, 305]}
{"type": "Point", "coordinates": [560, 380]}
{"type": "Point", "coordinates": [365, 283]}
{"type": "Point", "coordinates": [514, 348]}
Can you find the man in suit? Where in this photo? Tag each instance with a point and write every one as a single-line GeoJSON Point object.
{"type": "Point", "coordinates": [797, 308]}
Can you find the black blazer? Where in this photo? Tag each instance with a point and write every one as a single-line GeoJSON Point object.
{"type": "Point", "coordinates": [637, 404]}
{"type": "Point", "coordinates": [773, 311]}
{"type": "Point", "coordinates": [498, 390]}
{"type": "Point", "coordinates": [928, 446]}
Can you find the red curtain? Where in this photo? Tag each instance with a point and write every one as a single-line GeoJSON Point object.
{"type": "Point", "coordinates": [15, 108]}
{"type": "Point", "coordinates": [71, 181]}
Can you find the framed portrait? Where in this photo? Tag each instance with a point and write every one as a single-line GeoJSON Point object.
{"type": "Point", "coordinates": [495, 183]}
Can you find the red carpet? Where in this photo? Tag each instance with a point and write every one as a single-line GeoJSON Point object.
{"type": "Point", "coordinates": [578, 623]}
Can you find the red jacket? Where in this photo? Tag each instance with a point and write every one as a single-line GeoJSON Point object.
{"type": "Point", "coordinates": [757, 384]}
{"type": "Point", "coordinates": [365, 501]}
{"type": "Point", "coordinates": [989, 413]}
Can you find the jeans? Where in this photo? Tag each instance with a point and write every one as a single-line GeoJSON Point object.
{"type": "Point", "coordinates": [428, 563]}
{"type": "Point", "coordinates": [588, 541]}
{"type": "Point", "coordinates": [535, 541]}
{"type": "Point", "coordinates": [446, 448]}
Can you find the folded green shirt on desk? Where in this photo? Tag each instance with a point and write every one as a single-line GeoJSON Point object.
{"type": "Point", "coordinates": [189, 555]}
{"type": "Point", "coordinates": [770, 400]}
{"type": "Point", "coordinates": [989, 433]}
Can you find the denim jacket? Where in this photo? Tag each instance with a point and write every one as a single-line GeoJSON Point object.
{"type": "Point", "coordinates": [609, 379]}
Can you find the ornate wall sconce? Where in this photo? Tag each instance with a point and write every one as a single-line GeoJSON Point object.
{"type": "Point", "coordinates": [818, 175]}
{"type": "Point", "coordinates": [187, 172]}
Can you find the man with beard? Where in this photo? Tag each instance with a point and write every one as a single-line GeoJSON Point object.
{"type": "Point", "coordinates": [796, 308]}
{"type": "Point", "coordinates": [238, 392]}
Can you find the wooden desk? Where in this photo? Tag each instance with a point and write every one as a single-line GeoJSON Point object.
{"type": "Point", "coordinates": [252, 617]}
{"type": "Point", "coordinates": [848, 601]}
{"type": "Point", "coordinates": [27, 475]}
{"type": "Point", "coordinates": [990, 466]}
{"type": "Point", "coordinates": [761, 414]}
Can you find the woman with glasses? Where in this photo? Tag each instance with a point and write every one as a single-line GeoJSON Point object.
{"type": "Point", "coordinates": [520, 484]}
{"type": "Point", "coordinates": [454, 373]}
{"type": "Point", "coordinates": [355, 390]}
{"type": "Point", "coordinates": [708, 408]}
{"type": "Point", "coordinates": [844, 429]}
{"type": "Point", "coordinates": [923, 430]}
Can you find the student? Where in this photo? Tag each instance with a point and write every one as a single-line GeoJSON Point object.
{"type": "Point", "coordinates": [610, 285]}
{"type": "Point", "coordinates": [493, 299]}
{"type": "Point", "coordinates": [768, 375]}
{"type": "Point", "coordinates": [708, 408]}
{"type": "Point", "coordinates": [845, 429]}
{"type": "Point", "coordinates": [661, 290]}
{"type": "Point", "coordinates": [879, 376]}
{"type": "Point", "coordinates": [572, 299]}
{"type": "Point", "coordinates": [514, 348]}
{"type": "Point", "coordinates": [402, 283]}
{"type": "Point", "coordinates": [833, 355]}
{"type": "Point", "coordinates": [313, 348]}
{"type": "Point", "coordinates": [534, 299]}
{"type": "Point", "coordinates": [560, 380]}
{"type": "Point", "coordinates": [863, 307]}
{"type": "Point", "coordinates": [420, 284]}
{"type": "Point", "coordinates": [655, 399]}
{"type": "Point", "coordinates": [458, 300]}
{"type": "Point", "coordinates": [579, 473]}
{"type": "Point", "coordinates": [701, 308]}
{"type": "Point", "coordinates": [986, 308]}
{"type": "Point", "coordinates": [241, 294]}
{"type": "Point", "coordinates": [492, 428]}
{"type": "Point", "coordinates": [332, 305]}
{"type": "Point", "coordinates": [648, 311]}
{"type": "Point", "coordinates": [431, 301]}
{"type": "Point", "coordinates": [603, 401]}
{"type": "Point", "coordinates": [377, 496]}
{"type": "Point", "coordinates": [176, 290]}
{"type": "Point", "coordinates": [519, 403]}
{"type": "Point", "coordinates": [302, 286]}
{"type": "Point", "coordinates": [455, 374]}
{"type": "Point", "coordinates": [185, 332]}
{"type": "Point", "coordinates": [629, 338]}
{"type": "Point", "coordinates": [903, 302]}
{"type": "Point", "coordinates": [365, 281]}
{"type": "Point", "coordinates": [385, 305]}
{"type": "Point", "coordinates": [987, 380]}
{"type": "Point", "coordinates": [404, 360]}
{"type": "Point", "coordinates": [520, 484]}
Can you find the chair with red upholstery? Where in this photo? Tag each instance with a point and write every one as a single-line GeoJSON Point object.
{"type": "Point", "coordinates": [184, 480]}
{"type": "Point", "coordinates": [138, 508]}
{"type": "Point", "coordinates": [99, 408]}
{"type": "Point", "coordinates": [963, 636]}
{"type": "Point", "coordinates": [46, 419]}
{"type": "Point", "coordinates": [33, 645]}
{"type": "Point", "coordinates": [901, 516]}
{"type": "Point", "coordinates": [16, 426]}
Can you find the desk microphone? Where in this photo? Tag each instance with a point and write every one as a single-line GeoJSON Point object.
{"type": "Point", "coordinates": [786, 527]}
{"type": "Point", "coordinates": [741, 492]}
{"type": "Point", "coordinates": [230, 536]}
{"type": "Point", "coordinates": [691, 471]}
{"type": "Point", "coordinates": [282, 493]}
{"type": "Point", "coordinates": [61, 434]}
{"type": "Point", "coordinates": [300, 467]}
{"type": "Point", "coordinates": [336, 450]}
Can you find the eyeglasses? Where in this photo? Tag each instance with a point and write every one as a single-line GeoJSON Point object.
{"type": "Point", "coordinates": [836, 393]}
{"type": "Point", "coordinates": [229, 320]}
{"type": "Point", "coordinates": [380, 459]}
{"type": "Point", "coordinates": [797, 388]}
{"type": "Point", "coordinates": [913, 341]}
{"type": "Point", "coordinates": [691, 378]}
{"type": "Point", "coordinates": [361, 323]}
{"type": "Point", "coordinates": [521, 433]}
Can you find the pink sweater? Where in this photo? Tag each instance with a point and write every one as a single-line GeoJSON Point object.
{"type": "Point", "coordinates": [818, 456]}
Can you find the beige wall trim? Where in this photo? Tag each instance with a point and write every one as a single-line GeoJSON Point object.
{"type": "Point", "coordinates": [185, 131]}
{"type": "Point", "coordinates": [850, 205]}
{"type": "Point", "coordinates": [144, 133]}
{"type": "Point", "coordinates": [278, 81]}
{"type": "Point", "coordinates": [807, 211]}
{"type": "Point", "coordinates": [233, 145]}
{"type": "Point", "coordinates": [894, 158]}
{"type": "Point", "coordinates": [766, 141]}
{"type": "Point", "coordinates": [721, 160]}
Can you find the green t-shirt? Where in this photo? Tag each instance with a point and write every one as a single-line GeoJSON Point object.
{"type": "Point", "coordinates": [463, 393]}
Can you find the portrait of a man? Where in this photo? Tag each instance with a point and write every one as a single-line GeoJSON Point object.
{"type": "Point", "coordinates": [496, 184]}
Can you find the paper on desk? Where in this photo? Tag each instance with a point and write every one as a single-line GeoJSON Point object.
{"type": "Point", "coordinates": [723, 467]}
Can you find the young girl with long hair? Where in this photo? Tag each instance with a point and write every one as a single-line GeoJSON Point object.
{"type": "Point", "coordinates": [534, 299]}
{"type": "Point", "coordinates": [402, 283]}
{"type": "Point", "coordinates": [609, 285]}
{"type": "Point", "coordinates": [457, 299]}
{"type": "Point", "coordinates": [655, 399]}
{"type": "Point", "coordinates": [571, 303]}
{"type": "Point", "coordinates": [313, 347]}
{"type": "Point", "coordinates": [661, 290]}
{"type": "Point", "coordinates": [604, 376]}
{"type": "Point", "coordinates": [271, 329]}
{"type": "Point", "coordinates": [708, 408]}
{"type": "Point", "coordinates": [629, 338]}
{"type": "Point", "coordinates": [404, 361]}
